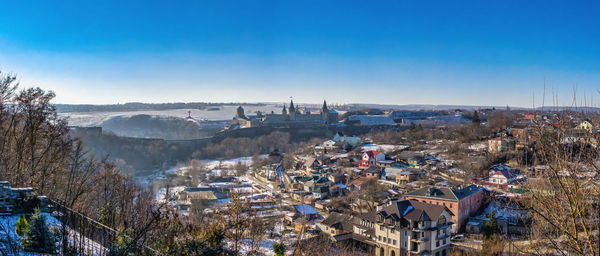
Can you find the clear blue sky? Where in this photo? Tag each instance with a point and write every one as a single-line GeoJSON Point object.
{"type": "Point", "coordinates": [392, 52]}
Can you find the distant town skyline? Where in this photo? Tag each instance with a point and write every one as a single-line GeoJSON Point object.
{"type": "Point", "coordinates": [389, 52]}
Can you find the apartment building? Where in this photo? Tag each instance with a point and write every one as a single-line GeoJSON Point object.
{"type": "Point", "coordinates": [461, 202]}
{"type": "Point", "coordinates": [405, 228]}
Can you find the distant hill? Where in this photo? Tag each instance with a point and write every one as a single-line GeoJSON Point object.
{"type": "Point", "coordinates": [138, 106]}
{"type": "Point", "coordinates": [147, 126]}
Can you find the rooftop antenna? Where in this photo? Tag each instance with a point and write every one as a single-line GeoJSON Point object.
{"type": "Point", "coordinates": [544, 95]}
{"type": "Point", "coordinates": [574, 103]}
{"type": "Point", "coordinates": [533, 95]}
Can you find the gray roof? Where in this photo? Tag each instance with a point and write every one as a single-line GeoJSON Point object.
{"type": "Point", "coordinates": [339, 221]}
{"type": "Point", "coordinates": [412, 210]}
{"type": "Point", "coordinates": [434, 192]}
{"type": "Point", "coordinates": [445, 193]}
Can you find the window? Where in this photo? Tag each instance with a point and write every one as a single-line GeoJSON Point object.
{"type": "Point", "coordinates": [444, 241]}
{"type": "Point", "coordinates": [379, 238]}
{"type": "Point", "coordinates": [441, 221]}
{"type": "Point", "coordinates": [381, 228]}
{"type": "Point", "coordinates": [392, 231]}
{"type": "Point", "coordinates": [437, 243]}
{"type": "Point", "coordinates": [450, 205]}
{"type": "Point", "coordinates": [394, 242]}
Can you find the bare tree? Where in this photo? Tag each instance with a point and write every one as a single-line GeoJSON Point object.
{"type": "Point", "coordinates": [564, 201]}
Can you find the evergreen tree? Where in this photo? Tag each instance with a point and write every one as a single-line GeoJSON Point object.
{"type": "Point", "coordinates": [491, 225]}
{"type": "Point", "coordinates": [476, 119]}
{"type": "Point", "coordinates": [22, 226]}
{"type": "Point", "coordinates": [38, 237]}
{"type": "Point", "coordinates": [279, 249]}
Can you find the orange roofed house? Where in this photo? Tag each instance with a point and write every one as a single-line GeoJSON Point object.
{"type": "Point", "coordinates": [462, 202]}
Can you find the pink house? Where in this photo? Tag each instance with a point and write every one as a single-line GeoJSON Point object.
{"type": "Point", "coordinates": [370, 158]}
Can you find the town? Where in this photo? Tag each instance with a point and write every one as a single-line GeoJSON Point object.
{"type": "Point", "coordinates": [299, 128]}
{"type": "Point", "coordinates": [408, 187]}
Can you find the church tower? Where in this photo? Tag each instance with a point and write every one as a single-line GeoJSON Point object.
{"type": "Point", "coordinates": [240, 113]}
{"type": "Point", "coordinates": [284, 111]}
{"type": "Point", "coordinates": [292, 110]}
{"type": "Point", "coordinates": [325, 112]}
{"type": "Point", "coordinates": [324, 108]}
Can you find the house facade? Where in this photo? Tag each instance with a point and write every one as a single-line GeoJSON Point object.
{"type": "Point", "coordinates": [462, 202]}
{"type": "Point", "coordinates": [370, 158]}
{"type": "Point", "coordinates": [503, 175]}
{"type": "Point", "coordinates": [407, 227]}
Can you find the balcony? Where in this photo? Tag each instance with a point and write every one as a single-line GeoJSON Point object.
{"type": "Point", "coordinates": [420, 239]}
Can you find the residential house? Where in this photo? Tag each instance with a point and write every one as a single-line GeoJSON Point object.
{"type": "Point", "coordinates": [370, 158]}
{"type": "Point", "coordinates": [407, 227]}
{"type": "Point", "coordinates": [337, 226]}
{"type": "Point", "coordinates": [302, 217]}
{"type": "Point", "coordinates": [318, 186]}
{"type": "Point", "coordinates": [311, 164]}
{"type": "Point", "coordinates": [501, 144]}
{"type": "Point", "coordinates": [529, 116]}
{"type": "Point", "coordinates": [328, 146]}
{"type": "Point", "coordinates": [352, 141]}
{"type": "Point", "coordinates": [585, 126]}
{"type": "Point", "coordinates": [357, 183]}
{"type": "Point", "coordinates": [389, 173]}
{"type": "Point", "coordinates": [306, 211]}
{"type": "Point", "coordinates": [462, 202]}
{"type": "Point", "coordinates": [372, 172]}
{"type": "Point", "coordinates": [503, 175]}
{"type": "Point", "coordinates": [408, 176]}
{"type": "Point", "coordinates": [189, 195]}
{"type": "Point", "coordinates": [412, 159]}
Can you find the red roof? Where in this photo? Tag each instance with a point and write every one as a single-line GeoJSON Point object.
{"type": "Point", "coordinates": [372, 153]}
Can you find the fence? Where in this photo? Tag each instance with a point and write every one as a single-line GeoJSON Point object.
{"type": "Point", "coordinates": [82, 235]}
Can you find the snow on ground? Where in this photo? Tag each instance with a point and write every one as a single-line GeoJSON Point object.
{"type": "Point", "coordinates": [384, 147]}
{"type": "Point", "coordinates": [230, 163]}
{"type": "Point", "coordinates": [503, 212]}
{"type": "Point", "coordinates": [224, 113]}
{"type": "Point", "coordinates": [478, 147]}
{"type": "Point", "coordinates": [7, 233]}
{"type": "Point", "coordinates": [159, 196]}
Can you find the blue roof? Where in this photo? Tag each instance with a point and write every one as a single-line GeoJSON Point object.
{"type": "Point", "coordinates": [305, 209]}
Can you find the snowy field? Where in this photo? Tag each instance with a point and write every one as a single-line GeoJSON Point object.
{"type": "Point", "coordinates": [224, 113]}
{"type": "Point", "coordinates": [385, 148]}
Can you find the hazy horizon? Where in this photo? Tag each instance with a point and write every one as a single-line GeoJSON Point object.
{"type": "Point", "coordinates": [396, 53]}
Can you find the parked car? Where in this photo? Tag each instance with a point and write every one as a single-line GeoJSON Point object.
{"type": "Point", "coordinates": [458, 238]}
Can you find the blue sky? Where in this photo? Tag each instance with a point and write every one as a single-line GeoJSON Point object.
{"type": "Point", "coordinates": [389, 52]}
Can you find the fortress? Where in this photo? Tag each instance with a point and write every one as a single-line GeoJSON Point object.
{"type": "Point", "coordinates": [289, 117]}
